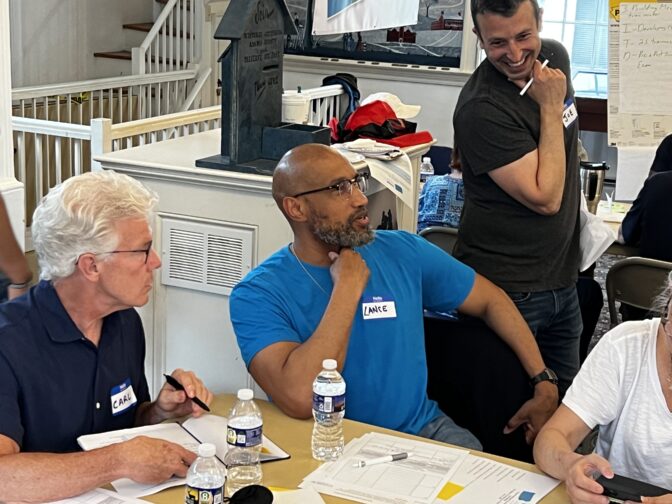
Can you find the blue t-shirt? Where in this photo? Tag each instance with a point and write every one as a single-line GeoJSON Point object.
{"type": "Point", "coordinates": [55, 385]}
{"type": "Point", "coordinates": [385, 369]}
{"type": "Point", "coordinates": [441, 201]}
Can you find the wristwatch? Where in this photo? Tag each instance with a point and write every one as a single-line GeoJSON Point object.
{"type": "Point", "coordinates": [546, 375]}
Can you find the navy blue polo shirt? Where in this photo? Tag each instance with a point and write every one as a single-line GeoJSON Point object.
{"type": "Point", "coordinates": [55, 385]}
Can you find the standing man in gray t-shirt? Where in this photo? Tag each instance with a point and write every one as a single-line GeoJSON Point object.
{"type": "Point", "coordinates": [520, 223]}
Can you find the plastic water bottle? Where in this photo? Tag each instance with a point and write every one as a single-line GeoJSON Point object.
{"type": "Point", "coordinates": [206, 477]}
{"type": "Point", "coordinates": [243, 435]}
{"type": "Point", "coordinates": [328, 411]}
{"type": "Point", "coordinates": [426, 169]}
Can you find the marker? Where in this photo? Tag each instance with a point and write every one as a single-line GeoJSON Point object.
{"type": "Point", "coordinates": [529, 83]}
{"type": "Point", "coordinates": [382, 460]}
{"type": "Point", "coordinates": [178, 386]}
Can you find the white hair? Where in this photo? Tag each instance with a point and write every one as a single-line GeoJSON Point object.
{"type": "Point", "coordinates": [661, 301]}
{"type": "Point", "coordinates": [80, 216]}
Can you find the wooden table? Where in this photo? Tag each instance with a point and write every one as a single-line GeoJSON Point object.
{"type": "Point", "coordinates": [294, 437]}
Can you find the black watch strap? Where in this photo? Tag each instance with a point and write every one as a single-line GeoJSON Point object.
{"type": "Point", "coordinates": [546, 375]}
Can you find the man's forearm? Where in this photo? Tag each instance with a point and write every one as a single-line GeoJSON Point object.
{"type": "Point", "coordinates": [41, 477]}
{"type": "Point", "coordinates": [552, 162]}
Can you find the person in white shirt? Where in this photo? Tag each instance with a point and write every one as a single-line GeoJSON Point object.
{"type": "Point", "coordinates": [625, 388]}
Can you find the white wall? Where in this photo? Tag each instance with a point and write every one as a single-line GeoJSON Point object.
{"type": "Point", "coordinates": [53, 41]}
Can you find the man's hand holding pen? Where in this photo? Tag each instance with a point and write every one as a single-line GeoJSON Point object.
{"type": "Point", "coordinates": [175, 402]}
{"type": "Point", "coordinates": [546, 86]}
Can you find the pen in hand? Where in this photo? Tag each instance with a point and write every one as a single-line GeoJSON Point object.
{"type": "Point", "coordinates": [381, 460]}
{"type": "Point", "coordinates": [178, 386]}
{"type": "Point", "coordinates": [529, 83]}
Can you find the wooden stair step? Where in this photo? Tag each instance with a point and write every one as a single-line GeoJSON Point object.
{"type": "Point", "coordinates": [123, 54]}
{"type": "Point", "coordinates": [147, 27]}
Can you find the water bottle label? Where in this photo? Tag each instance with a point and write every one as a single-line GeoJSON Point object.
{"type": "Point", "coordinates": [204, 495]}
{"type": "Point", "coordinates": [328, 404]}
{"type": "Point", "coordinates": [243, 437]}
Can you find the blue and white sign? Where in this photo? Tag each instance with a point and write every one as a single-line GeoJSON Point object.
{"type": "Point", "coordinates": [350, 16]}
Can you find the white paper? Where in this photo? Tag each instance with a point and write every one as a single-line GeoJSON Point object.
{"type": "Point", "coordinates": [301, 496]}
{"type": "Point", "coordinates": [634, 164]}
{"type": "Point", "coordinates": [415, 480]}
{"type": "Point", "coordinates": [397, 176]}
{"type": "Point", "coordinates": [206, 428]}
{"type": "Point", "coordinates": [629, 129]}
{"type": "Point", "coordinates": [483, 480]}
{"type": "Point", "coordinates": [645, 58]}
{"type": "Point", "coordinates": [99, 496]}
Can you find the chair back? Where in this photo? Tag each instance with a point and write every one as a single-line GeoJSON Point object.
{"type": "Point", "coordinates": [635, 281]}
{"type": "Point", "coordinates": [442, 237]}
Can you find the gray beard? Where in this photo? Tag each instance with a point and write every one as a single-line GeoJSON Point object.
{"type": "Point", "coordinates": [341, 236]}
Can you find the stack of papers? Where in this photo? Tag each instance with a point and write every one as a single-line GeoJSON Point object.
{"type": "Point", "coordinates": [190, 433]}
{"type": "Point", "coordinates": [433, 474]}
{"type": "Point", "coordinates": [371, 149]}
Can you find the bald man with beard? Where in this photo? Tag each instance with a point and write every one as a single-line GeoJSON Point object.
{"type": "Point", "coordinates": [342, 291]}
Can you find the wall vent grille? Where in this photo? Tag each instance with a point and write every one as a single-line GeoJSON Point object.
{"type": "Point", "coordinates": [206, 257]}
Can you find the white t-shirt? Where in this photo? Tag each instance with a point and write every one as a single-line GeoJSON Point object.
{"type": "Point", "coordinates": [618, 389]}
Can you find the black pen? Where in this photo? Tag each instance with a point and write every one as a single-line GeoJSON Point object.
{"type": "Point", "coordinates": [177, 385]}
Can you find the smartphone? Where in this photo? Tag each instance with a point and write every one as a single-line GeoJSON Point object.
{"type": "Point", "coordinates": [621, 489]}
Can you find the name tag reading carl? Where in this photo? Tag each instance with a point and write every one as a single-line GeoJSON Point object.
{"type": "Point", "coordinates": [377, 307]}
{"type": "Point", "coordinates": [122, 397]}
{"type": "Point", "coordinates": [569, 114]}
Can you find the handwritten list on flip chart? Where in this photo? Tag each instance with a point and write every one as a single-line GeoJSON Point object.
{"type": "Point", "coordinates": [645, 58]}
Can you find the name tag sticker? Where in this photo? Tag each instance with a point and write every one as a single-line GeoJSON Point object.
{"type": "Point", "coordinates": [122, 397]}
{"type": "Point", "coordinates": [378, 307]}
{"type": "Point", "coordinates": [569, 114]}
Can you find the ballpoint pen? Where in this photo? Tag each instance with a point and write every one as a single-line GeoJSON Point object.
{"type": "Point", "coordinates": [381, 460]}
{"type": "Point", "coordinates": [529, 83]}
{"type": "Point", "coordinates": [178, 386]}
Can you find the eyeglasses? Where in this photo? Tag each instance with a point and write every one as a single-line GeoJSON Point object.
{"type": "Point", "coordinates": [344, 187]}
{"type": "Point", "coordinates": [145, 251]}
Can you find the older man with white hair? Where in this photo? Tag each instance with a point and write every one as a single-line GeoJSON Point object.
{"type": "Point", "coordinates": [72, 350]}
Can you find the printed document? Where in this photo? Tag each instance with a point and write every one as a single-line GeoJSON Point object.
{"type": "Point", "coordinates": [415, 480]}
{"type": "Point", "coordinates": [204, 429]}
{"type": "Point", "coordinates": [479, 479]}
{"type": "Point", "coordinates": [99, 496]}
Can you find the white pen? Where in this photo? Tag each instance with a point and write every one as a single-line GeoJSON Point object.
{"type": "Point", "coordinates": [382, 460]}
{"type": "Point", "coordinates": [529, 83]}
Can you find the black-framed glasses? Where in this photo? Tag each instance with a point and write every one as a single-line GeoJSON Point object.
{"type": "Point", "coordinates": [344, 187]}
{"type": "Point", "coordinates": [145, 251]}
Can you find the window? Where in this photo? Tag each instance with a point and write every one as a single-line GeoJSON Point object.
{"type": "Point", "coordinates": [582, 27]}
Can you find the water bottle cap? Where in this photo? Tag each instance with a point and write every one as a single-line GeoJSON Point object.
{"type": "Point", "coordinates": [426, 160]}
{"type": "Point", "coordinates": [245, 394]}
{"type": "Point", "coordinates": [206, 450]}
{"type": "Point", "coordinates": [329, 364]}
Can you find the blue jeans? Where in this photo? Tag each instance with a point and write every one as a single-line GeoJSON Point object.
{"type": "Point", "coordinates": [443, 429]}
{"type": "Point", "coordinates": [554, 318]}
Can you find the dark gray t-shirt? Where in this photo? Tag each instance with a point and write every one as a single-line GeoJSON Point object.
{"type": "Point", "coordinates": [511, 245]}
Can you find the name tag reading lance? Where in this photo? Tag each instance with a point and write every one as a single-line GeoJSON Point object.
{"type": "Point", "coordinates": [377, 307]}
{"type": "Point", "coordinates": [569, 114]}
{"type": "Point", "coordinates": [122, 397]}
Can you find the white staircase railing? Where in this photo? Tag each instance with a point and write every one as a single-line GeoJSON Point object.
{"type": "Point", "coordinates": [174, 41]}
{"type": "Point", "coordinates": [71, 147]}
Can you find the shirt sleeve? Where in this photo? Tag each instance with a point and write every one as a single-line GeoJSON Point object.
{"type": "Point", "coordinates": [255, 330]}
{"type": "Point", "coordinates": [596, 394]}
{"type": "Point", "coordinates": [489, 137]}
{"type": "Point", "coordinates": [446, 282]}
{"type": "Point", "coordinates": [10, 412]}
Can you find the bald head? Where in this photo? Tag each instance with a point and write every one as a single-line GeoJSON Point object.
{"type": "Point", "coordinates": [303, 168]}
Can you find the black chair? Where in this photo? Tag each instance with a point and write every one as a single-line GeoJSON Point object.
{"type": "Point", "coordinates": [478, 381]}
